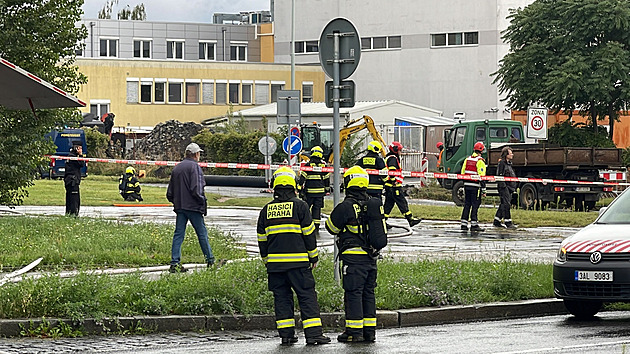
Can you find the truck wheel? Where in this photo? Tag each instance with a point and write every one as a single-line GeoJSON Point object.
{"type": "Point", "coordinates": [458, 193]}
{"type": "Point", "coordinates": [590, 205]}
{"type": "Point", "coordinates": [583, 309]}
{"type": "Point", "coordinates": [528, 196]}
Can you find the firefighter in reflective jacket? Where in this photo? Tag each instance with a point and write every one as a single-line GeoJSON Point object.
{"type": "Point", "coordinates": [129, 186]}
{"type": "Point", "coordinates": [373, 161]}
{"type": "Point", "coordinates": [393, 186]}
{"type": "Point", "coordinates": [359, 224]}
{"type": "Point", "coordinates": [474, 190]}
{"type": "Point", "coordinates": [314, 185]}
{"type": "Point", "coordinates": [288, 248]}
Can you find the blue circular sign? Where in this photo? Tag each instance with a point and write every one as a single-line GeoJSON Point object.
{"type": "Point", "coordinates": [296, 145]}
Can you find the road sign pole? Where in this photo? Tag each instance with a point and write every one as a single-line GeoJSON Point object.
{"type": "Point", "coordinates": [336, 157]}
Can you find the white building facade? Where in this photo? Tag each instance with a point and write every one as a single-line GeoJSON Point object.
{"type": "Point", "coordinates": [437, 54]}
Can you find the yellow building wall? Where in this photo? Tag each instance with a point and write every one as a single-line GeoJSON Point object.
{"type": "Point", "coordinates": [107, 80]}
{"type": "Point", "coordinates": [266, 42]}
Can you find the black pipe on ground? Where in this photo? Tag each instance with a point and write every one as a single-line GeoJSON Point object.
{"type": "Point", "coordinates": [235, 181]}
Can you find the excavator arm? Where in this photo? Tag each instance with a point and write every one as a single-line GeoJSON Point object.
{"type": "Point", "coordinates": [352, 127]}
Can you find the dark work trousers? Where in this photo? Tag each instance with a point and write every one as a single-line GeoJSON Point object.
{"type": "Point", "coordinates": [315, 204]}
{"type": "Point", "coordinates": [504, 208]}
{"type": "Point", "coordinates": [472, 201]}
{"type": "Point", "coordinates": [73, 199]}
{"type": "Point", "coordinates": [359, 282]}
{"type": "Point", "coordinates": [373, 193]}
{"type": "Point", "coordinates": [302, 282]}
{"type": "Point", "coordinates": [394, 195]}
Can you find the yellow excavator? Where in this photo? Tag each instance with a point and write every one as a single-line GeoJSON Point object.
{"type": "Point", "coordinates": [316, 135]}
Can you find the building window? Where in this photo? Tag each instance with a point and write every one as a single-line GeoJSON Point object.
{"type": "Point", "coordinates": [307, 92]}
{"type": "Point", "coordinates": [221, 93]}
{"type": "Point", "coordinates": [246, 93]}
{"type": "Point", "coordinates": [174, 92]}
{"type": "Point", "coordinates": [159, 92]}
{"type": "Point", "coordinates": [238, 52]}
{"type": "Point", "coordinates": [109, 47]}
{"type": "Point", "coordinates": [379, 42]}
{"type": "Point", "coordinates": [141, 49]}
{"type": "Point", "coordinates": [233, 94]}
{"type": "Point", "coordinates": [145, 91]}
{"type": "Point", "coordinates": [394, 42]}
{"type": "Point", "coordinates": [262, 93]}
{"type": "Point", "coordinates": [208, 92]}
{"type": "Point", "coordinates": [207, 51]}
{"type": "Point", "coordinates": [312, 47]}
{"type": "Point", "coordinates": [192, 92]}
{"type": "Point", "coordinates": [99, 107]}
{"type": "Point", "coordinates": [454, 39]}
{"type": "Point", "coordinates": [175, 49]}
{"type": "Point", "coordinates": [299, 47]}
{"type": "Point", "coordinates": [274, 91]}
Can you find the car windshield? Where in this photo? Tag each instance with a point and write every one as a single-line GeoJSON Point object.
{"type": "Point", "coordinates": [618, 212]}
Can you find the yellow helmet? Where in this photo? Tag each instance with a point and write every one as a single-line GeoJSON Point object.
{"type": "Point", "coordinates": [375, 146]}
{"type": "Point", "coordinates": [317, 151]}
{"type": "Point", "coordinates": [356, 176]}
{"type": "Point", "coordinates": [284, 176]}
{"type": "Point", "coordinates": [130, 170]}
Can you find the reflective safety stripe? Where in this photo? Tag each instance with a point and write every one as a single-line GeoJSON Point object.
{"type": "Point", "coordinates": [265, 259]}
{"type": "Point", "coordinates": [317, 221]}
{"type": "Point", "coordinates": [386, 215]}
{"type": "Point", "coordinates": [318, 177]}
{"type": "Point", "coordinates": [285, 323]}
{"type": "Point", "coordinates": [262, 237]}
{"type": "Point", "coordinates": [314, 253]}
{"type": "Point", "coordinates": [312, 322]}
{"type": "Point", "coordinates": [282, 228]}
{"type": "Point", "coordinates": [287, 257]}
{"type": "Point", "coordinates": [407, 213]}
{"type": "Point", "coordinates": [315, 190]}
{"type": "Point", "coordinates": [354, 323]}
{"type": "Point", "coordinates": [326, 176]}
{"type": "Point", "coordinates": [332, 226]}
{"type": "Point", "coordinates": [369, 322]}
{"type": "Point", "coordinates": [308, 229]}
{"type": "Point", "coordinates": [375, 186]}
{"type": "Point", "coordinates": [354, 250]}
{"type": "Point", "coordinates": [353, 228]}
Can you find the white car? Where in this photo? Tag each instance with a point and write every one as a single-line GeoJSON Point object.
{"type": "Point", "coordinates": [593, 265]}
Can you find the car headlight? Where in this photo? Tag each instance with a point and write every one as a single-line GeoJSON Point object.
{"type": "Point", "coordinates": [562, 255]}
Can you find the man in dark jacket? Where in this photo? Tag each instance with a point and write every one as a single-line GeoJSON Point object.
{"type": "Point", "coordinates": [393, 186]}
{"type": "Point", "coordinates": [185, 191]}
{"type": "Point", "coordinates": [129, 186]}
{"type": "Point", "coordinates": [288, 246]}
{"type": "Point", "coordinates": [72, 179]}
{"type": "Point", "coordinates": [505, 189]}
{"type": "Point", "coordinates": [313, 186]}
{"type": "Point", "coordinates": [374, 161]}
{"type": "Point", "coordinates": [359, 224]}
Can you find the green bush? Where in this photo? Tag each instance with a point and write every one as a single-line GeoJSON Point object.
{"type": "Point", "coordinates": [579, 134]}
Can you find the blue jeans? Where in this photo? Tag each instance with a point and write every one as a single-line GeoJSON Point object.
{"type": "Point", "coordinates": [196, 219]}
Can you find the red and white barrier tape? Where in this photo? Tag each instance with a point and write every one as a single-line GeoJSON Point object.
{"type": "Point", "coordinates": [256, 166]}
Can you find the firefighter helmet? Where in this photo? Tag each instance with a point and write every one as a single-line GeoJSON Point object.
{"type": "Point", "coordinates": [356, 176]}
{"type": "Point", "coordinates": [439, 145]}
{"type": "Point", "coordinates": [479, 146]}
{"type": "Point", "coordinates": [395, 147]}
{"type": "Point", "coordinates": [317, 151]}
{"type": "Point", "coordinates": [375, 146]}
{"type": "Point", "coordinates": [130, 170]}
{"type": "Point", "coordinates": [284, 177]}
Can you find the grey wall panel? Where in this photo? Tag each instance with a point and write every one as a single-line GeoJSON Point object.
{"type": "Point", "coordinates": [176, 26]}
{"type": "Point", "coordinates": [143, 33]}
{"type": "Point", "coordinates": [207, 93]}
{"type": "Point", "coordinates": [142, 25]}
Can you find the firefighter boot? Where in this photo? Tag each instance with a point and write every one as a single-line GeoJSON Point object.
{"type": "Point", "coordinates": [346, 338]}
{"type": "Point", "coordinates": [510, 225]}
{"type": "Point", "coordinates": [413, 221]}
{"type": "Point", "coordinates": [320, 339]}
{"type": "Point", "coordinates": [289, 340]}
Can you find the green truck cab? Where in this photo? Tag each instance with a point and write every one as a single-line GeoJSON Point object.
{"type": "Point", "coordinates": [530, 161]}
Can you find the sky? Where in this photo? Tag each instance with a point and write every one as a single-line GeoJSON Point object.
{"type": "Point", "coordinates": [179, 10]}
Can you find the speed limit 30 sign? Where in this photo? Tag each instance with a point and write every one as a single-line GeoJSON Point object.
{"type": "Point", "coordinates": [537, 123]}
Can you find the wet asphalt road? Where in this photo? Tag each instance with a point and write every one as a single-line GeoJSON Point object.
{"type": "Point", "coordinates": [609, 333]}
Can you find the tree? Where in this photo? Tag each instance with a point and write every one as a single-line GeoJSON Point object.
{"type": "Point", "coordinates": [137, 13]}
{"type": "Point", "coordinates": [40, 36]}
{"type": "Point", "coordinates": [569, 54]}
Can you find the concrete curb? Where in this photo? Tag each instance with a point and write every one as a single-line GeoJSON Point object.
{"type": "Point", "coordinates": [385, 319]}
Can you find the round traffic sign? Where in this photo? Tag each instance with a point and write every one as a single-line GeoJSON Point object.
{"type": "Point", "coordinates": [349, 47]}
{"type": "Point", "coordinates": [537, 123]}
{"type": "Point", "coordinates": [267, 145]}
{"type": "Point", "coordinates": [296, 145]}
{"type": "Point", "coordinates": [295, 131]}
